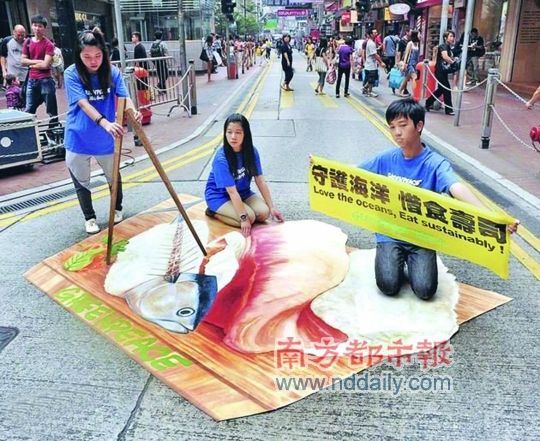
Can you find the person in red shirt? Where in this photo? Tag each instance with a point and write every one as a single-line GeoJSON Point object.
{"type": "Point", "coordinates": [38, 54]}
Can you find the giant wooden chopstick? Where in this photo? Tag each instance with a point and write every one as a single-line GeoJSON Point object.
{"type": "Point", "coordinates": [137, 128]}
{"type": "Point", "coordinates": [121, 106]}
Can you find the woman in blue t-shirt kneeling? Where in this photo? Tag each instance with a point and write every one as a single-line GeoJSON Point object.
{"type": "Point", "coordinates": [228, 193]}
{"type": "Point", "coordinates": [92, 85]}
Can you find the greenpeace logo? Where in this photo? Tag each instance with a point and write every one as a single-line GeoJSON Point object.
{"type": "Point", "coordinates": [415, 182]}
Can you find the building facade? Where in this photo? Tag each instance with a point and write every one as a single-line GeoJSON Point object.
{"type": "Point", "coordinates": [510, 28]}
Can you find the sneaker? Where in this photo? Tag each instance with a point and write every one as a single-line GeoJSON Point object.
{"type": "Point", "coordinates": [91, 226]}
{"type": "Point", "coordinates": [451, 113]}
{"type": "Point", "coordinates": [118, 216]}
{"type": "Point", "coordinates": [373, 95]}
{"type": "Point", "coordinates": [337, 95]}
{"type": "Point", "coordinates": [346, 95]}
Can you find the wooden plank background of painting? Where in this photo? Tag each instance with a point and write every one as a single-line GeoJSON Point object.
{"type": "Point", "coordinates": [250, 374]}
{"type": "Point", "coordinates": [192, 381]}
{"type": "Point", "coordinates": [254, 376]}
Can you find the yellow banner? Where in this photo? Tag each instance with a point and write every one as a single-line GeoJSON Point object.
{"type": "Point", "coordinates": [411, 214]}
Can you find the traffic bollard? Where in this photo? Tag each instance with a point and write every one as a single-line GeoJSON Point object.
{"type": "Point", "coordinates": [193, 87]}
{"type": "Point", "coordinates": [489, 100]}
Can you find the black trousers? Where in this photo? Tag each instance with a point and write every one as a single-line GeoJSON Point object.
{"type": "Point", "coordinates": [289, 73]}
{"type": "Point", "coordinates": [85, 197]}
{"type": "Point", "coordinates": [442, 78]}
{"type": "Point", "coordinates": [162, 73]}
{"type": "Point", "coordinates": [343, 71]}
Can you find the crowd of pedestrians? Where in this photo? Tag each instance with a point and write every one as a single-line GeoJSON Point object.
{"type": "Point", "coordinates": [336, 59]}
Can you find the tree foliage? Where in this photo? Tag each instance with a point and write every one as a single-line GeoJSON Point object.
{"type": "Point", "coordinates": [246, 20]}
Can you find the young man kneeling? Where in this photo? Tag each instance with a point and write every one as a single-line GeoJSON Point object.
{"type": "Point", "coordinates": [415, 163]}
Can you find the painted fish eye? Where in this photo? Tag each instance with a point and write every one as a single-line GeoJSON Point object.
{"type": "Point", "coordinates": [185, 312]}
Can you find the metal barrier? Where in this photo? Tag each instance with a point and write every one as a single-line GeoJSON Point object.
{"type": "Point", "coordinates": [161, 81]}
{"type": "Point", "coordinates": [489, 111]}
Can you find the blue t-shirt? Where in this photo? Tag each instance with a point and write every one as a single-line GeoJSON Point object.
{"type": "Point", "coordinates": [221, 177]}
{"type": "Point", "coordinates": [82, 134]}
{"type": "Point", "coordinates": [428, 170]}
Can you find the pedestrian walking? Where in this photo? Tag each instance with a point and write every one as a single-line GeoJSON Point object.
{"type": "Point", "coordinates": [345, 52]}
{"type": "Point", "coordinates": [228, 191]}
{"type": "Point", "coordinates": [139, 51]}
{"type": "Point", "coordinates": [401, 48]}
{"type": "Point", "coordinates": [445, 62]}
{"type": "Point", "coordinates": [322, 62]}
{"type": "Point", "coordinates": [475, 50]}
{"type": "Point", "coordinates": [209, 56]}
{"type": "Point", "coordinates": [268, 48]}
{"type": "Point", "coordinates": [371, 65]}
{"type": "Point", "coordinates": [390, 44]}
{"type": "Point", "coordinates": [286, 62]}
{"type": "Point", "coordinates": [157, 50]}
{"type": "Point", "coordinates": [92, 85]}
{"type": "Point", "coordinates": [115, 52]}
{"type": "Point", "coordinates": [409, 62]}
{"type": "Point", "coordinates": [309, 50]}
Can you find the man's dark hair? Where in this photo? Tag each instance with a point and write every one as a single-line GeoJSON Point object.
{"type": "Point", "coordinates": [406, 108]}
{"type": "Point", "coordinates": [447, 33]}
{"type": "Point", "coordinates": [39, 19]}
{"type": "Point", "coordinates": [158, 35]}
{"type": "Point", "coordinates": [474, 30]}
{"type": "Point", "coordinates": [137, 34]}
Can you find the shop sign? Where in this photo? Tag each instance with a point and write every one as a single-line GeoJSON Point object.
{"type": "Point", "coordinates": [292, 13]}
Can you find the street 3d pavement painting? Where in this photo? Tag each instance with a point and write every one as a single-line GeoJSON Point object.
{"type": "Point", "coordinates": [290, 301]}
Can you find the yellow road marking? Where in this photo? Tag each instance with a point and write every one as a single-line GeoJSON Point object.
{"type": "Point", "coordinates": [325, 99]}
{"type": "Point", "coordinates": [519, 253]}
{"type": "Point", "coordinates": [100, 192]}
{"type": "Point", "coordinates": [148, 173]}
{"type": "Point", "coordinates": [376, 122]}
{"type": "Point", "coordinates": [287, 99]}
{"type": "Point", "coordinates": [526, 260]}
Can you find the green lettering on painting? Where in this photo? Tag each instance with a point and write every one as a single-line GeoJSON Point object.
{"type": "Point", "coordinates": [83, 303]}
{"type": "Point", "coordinates": [153, 352]}
{"type": "Point", "coordinates": [97, 313]}
{"type": "Point", "coordinates": [142, 344]}
{"type": "Point", "coordinates": [126, 336]}
{"type": "Point", "coordinates": [170, 361]}
{"type": "Point", "coordinates": [66, 294]}
{"type": "Point", "coordinates": [106, 322]}
{"type": "Point", "coordinates": [120, 326]}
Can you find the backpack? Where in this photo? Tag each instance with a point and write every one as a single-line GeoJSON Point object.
{"type": "Point", "coordinates": [156, 50]}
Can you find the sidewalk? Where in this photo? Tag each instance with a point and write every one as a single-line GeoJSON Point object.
{"type": "Point", "coordinates": [506, 156]}
{"type": "Point", "coordinates": [162, 131]}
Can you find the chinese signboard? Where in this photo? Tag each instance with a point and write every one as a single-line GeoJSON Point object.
{"type": "Point", "coordinates": [412, 214]}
